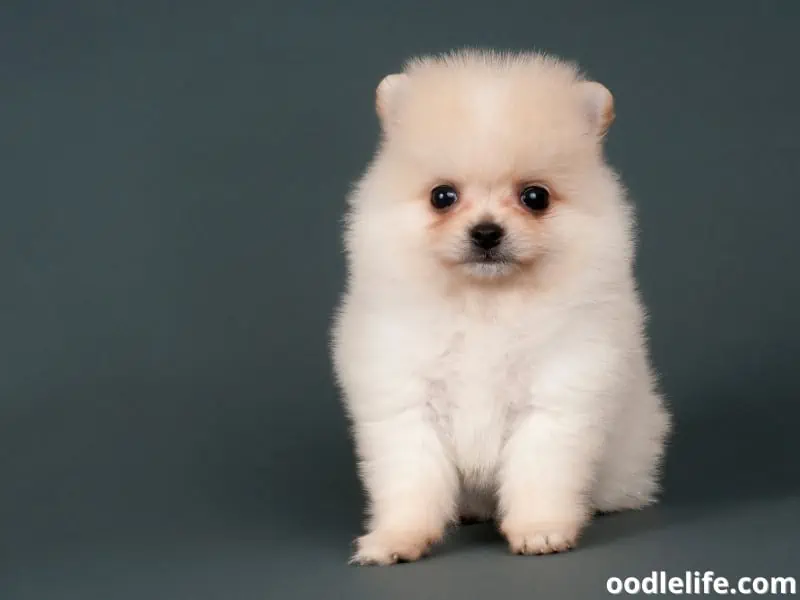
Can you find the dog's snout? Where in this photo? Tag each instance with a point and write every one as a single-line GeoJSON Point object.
{"type": "Point", "coordinates": [486, 235]}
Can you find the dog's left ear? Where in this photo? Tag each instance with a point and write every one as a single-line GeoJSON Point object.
{"type": "Point", "coordinates": [387, 94]}
{"type": "Point", "coordinates": [599, 105]}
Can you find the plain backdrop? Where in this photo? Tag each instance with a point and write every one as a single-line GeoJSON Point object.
{"type": "Point", "coordinates": [172, 181]}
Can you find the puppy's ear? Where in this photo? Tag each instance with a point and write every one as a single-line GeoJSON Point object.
{"type": "Point", "coordinates": [599, 106]}
{"type": "Point", "coordinates": [387, 94]}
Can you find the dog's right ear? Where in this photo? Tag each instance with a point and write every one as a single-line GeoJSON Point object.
{"type": "Point", "coordinates": [387, 94]}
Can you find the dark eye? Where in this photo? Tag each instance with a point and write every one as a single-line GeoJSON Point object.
{"type": "Point", "coordinates": [535, 198]}
{"type": "Point", "coordinates": [443, 196]}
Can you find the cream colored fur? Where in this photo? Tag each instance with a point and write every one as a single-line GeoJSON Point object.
{"type": "Point", "coordinates": [522, 391]}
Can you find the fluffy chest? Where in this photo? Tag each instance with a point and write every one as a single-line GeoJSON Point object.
{"type": "Point", "coordinates": [479, 383]}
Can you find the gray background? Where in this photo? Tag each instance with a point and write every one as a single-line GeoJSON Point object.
{"type": "Point", "coordinates": [172, 178]}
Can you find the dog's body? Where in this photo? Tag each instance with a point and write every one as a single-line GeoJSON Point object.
{"type": "Point", "coordinates": [490, 346]}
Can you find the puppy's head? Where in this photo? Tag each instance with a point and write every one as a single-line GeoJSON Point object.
{"type": "Point", "coordinates": [489, 164]}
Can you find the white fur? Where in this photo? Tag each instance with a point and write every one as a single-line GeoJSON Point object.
{"type": "Point", "coordinates": [522, 392]}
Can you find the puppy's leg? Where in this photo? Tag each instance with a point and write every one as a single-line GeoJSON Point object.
{"type": "Point", "coordinates": [628, 474]}
{"type": "Point", "coordinates": [549, 461]}
{"type": "Point", "coordinates": [411, 483]}
{"type": "Point", "coordinates": [547, 472]}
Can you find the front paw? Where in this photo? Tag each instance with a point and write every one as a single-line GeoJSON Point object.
{"type": "Point", "coordinates": [541, 537]}
{"type": "Point", "coordinates": [385, 547]}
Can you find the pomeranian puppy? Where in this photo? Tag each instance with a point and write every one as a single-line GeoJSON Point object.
{"type": "Point", "coordinates": [490, 345]}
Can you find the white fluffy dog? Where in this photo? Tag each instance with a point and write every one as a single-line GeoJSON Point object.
{"type": "Point", "coordinates": [490, 345]}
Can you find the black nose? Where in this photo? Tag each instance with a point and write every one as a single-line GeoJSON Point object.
{"type": "Point", "coordinates": [486, 235]}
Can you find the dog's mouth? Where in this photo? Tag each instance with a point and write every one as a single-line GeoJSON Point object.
{"type": "Point", "coordinates": [489, 264]}
{"type": "Point", "coordinates": [490, 257]}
